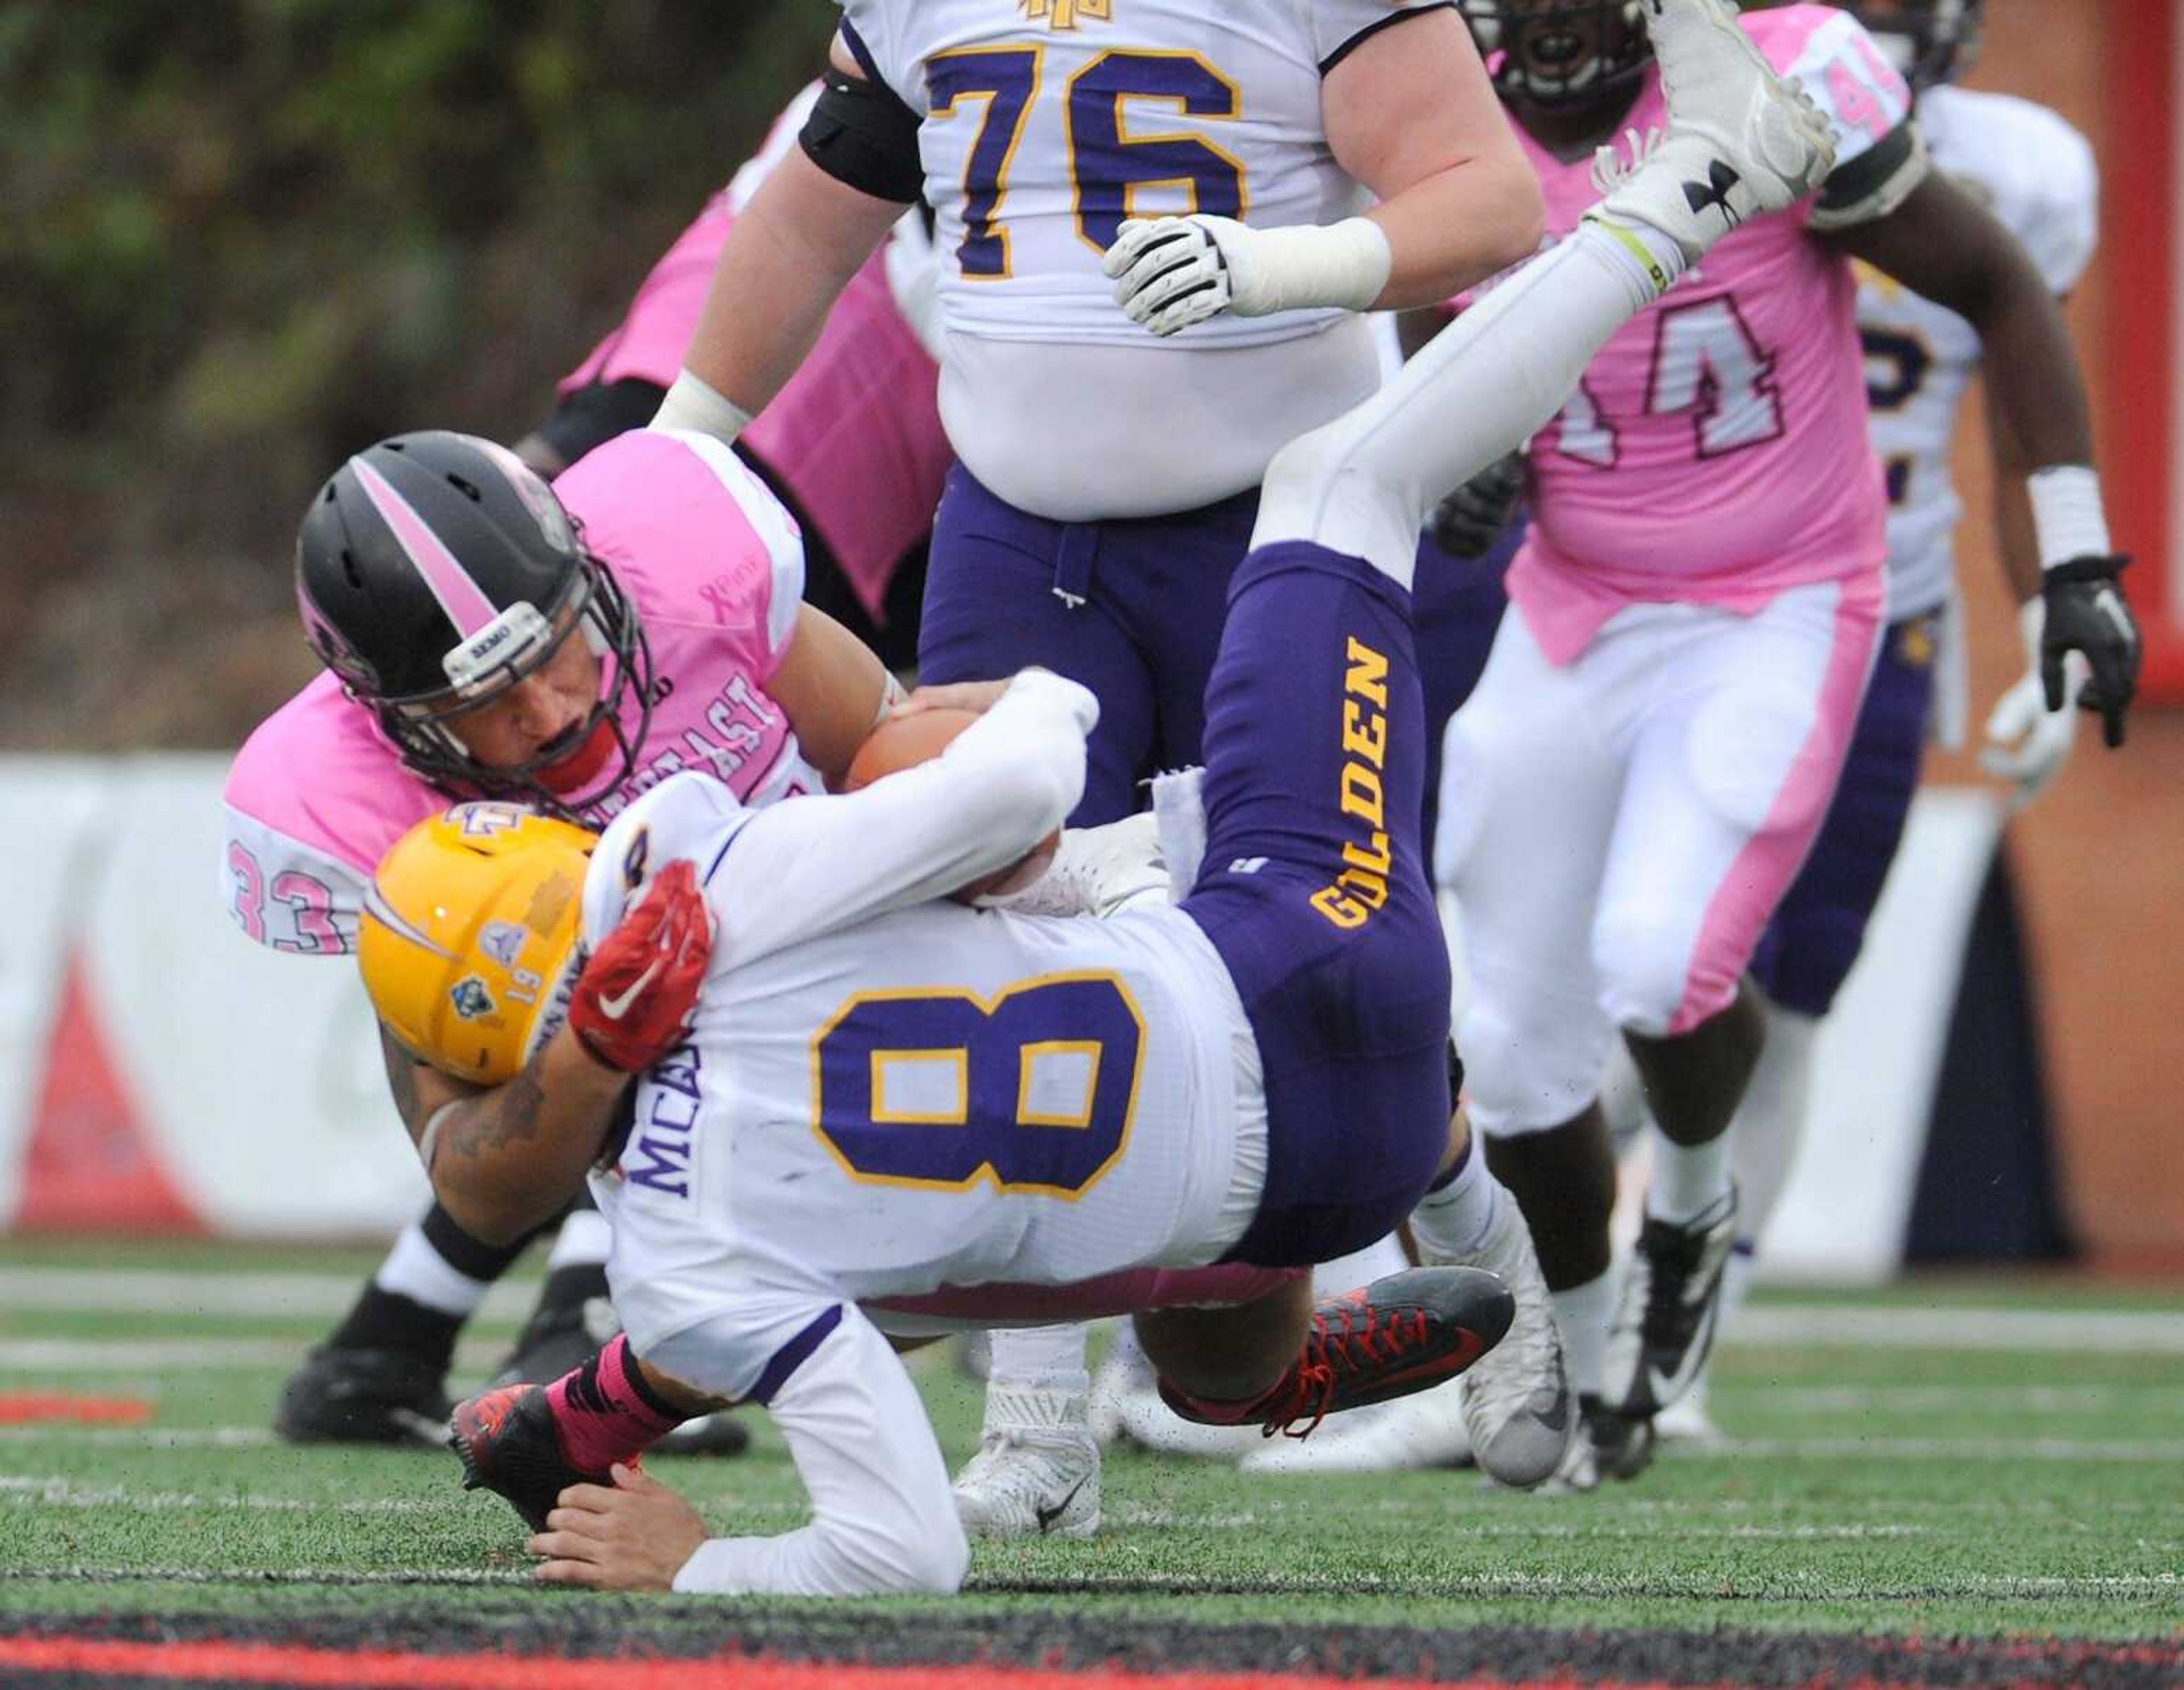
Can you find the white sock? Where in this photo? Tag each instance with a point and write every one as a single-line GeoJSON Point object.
{"type": "Point", "coordinates": [415, 1269]}
{"type": "Point", "coordinates": [1737, 1272]}
{"type": "Point", "coordinates": [1770, 1123]}
{"type": "Point", "coordinates": [1038, 1359]}
{"type": "Point", "coordinates": [1583, 1313]}
{"type": "Point", "coordinates": [583, 1241]}
{"type": "Point", "coordinates": [1375, 1261]}
{"type": "Point", "coordinates": [1651, 260]}
{"type": "Point", "coordinates": [1451, 1222]}
{"type": "Point", "coordinates": [1688, 1180]}
{"type": "Point", "coordinates": [1363, 483]}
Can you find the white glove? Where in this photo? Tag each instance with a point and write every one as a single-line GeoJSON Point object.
{"type": "Point", "coordinates": [1171, 272]}
{"type": "Point", "coordinates": [1096, 872]}
{"type": "Point", "coordinates": [2027, 743]}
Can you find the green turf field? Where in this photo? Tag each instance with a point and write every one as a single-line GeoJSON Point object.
{"type": "Point", "coordinates": [1971, 1459]}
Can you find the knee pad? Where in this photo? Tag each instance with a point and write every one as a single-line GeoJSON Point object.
{"type": "Point", "coordinates": [1743, 745]}
{"type": "Point", "coordinates": [1326, 487]}
{"type": "Point", "coordinates": [1644, 965]}
{"type": "Point", "coordinates": [1525, 1074]}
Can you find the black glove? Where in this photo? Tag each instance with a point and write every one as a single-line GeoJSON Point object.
{"type": "Point", "coordinates": [2087, 613]}
{"type": "Point", "coordinates": [1468, 522]}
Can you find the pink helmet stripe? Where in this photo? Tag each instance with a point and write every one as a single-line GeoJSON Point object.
{"type": "Point", "coordinates": [467, 604]}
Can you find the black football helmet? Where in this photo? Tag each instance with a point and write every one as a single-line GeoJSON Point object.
{"type": "Point", "coordinates": [1561, 52]}
{"type": "Point", "coordinates": [1929, 40]}
{"type": "Point", "coordinates": [434, 572]}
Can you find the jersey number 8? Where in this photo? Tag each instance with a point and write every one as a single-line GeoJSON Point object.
{"type": "Point", "coordinates": [1033, 1089]}
{"type": "Point", "coordinates": [1106, 163]}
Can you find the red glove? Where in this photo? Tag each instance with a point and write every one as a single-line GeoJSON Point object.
{"type": "Point", "coordinates": [638, 995]}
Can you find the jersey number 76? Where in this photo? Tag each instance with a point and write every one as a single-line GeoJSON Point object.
{"type": "Point", "coordinates": [1107, 163]}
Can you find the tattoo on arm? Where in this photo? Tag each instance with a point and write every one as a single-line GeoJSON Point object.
{"type": "Point", "coordinates": [494, 1120]}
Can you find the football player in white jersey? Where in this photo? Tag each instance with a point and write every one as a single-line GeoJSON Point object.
{"type": "Point", "coordinates": [1107, 484]}
{"type": "Point", "coordinates": [886, 1096]}
{"type": "Point", "coordinates": [2039, 178]}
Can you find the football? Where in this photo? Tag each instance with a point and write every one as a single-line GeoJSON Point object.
{"type": "Point", "coordinates": [903, 742]}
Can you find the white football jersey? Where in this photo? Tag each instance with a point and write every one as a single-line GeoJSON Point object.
{"type": "Point", "coordinates": [2038, 175]}
{"type": "Point", "coordinates": [1046, 123]}
{"type": "Point", "coordinates": [886, 1095]}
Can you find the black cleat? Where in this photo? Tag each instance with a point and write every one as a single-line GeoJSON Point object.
{"type": "Point", "coordinates": [508, 1444]}
{"type": "Point", "coordinates": [1407, 1332]}
{"type": "Point", "coordinates": [564, 1331]}
{"type": "Point", "coordinates": [1665, 1327]}
{"type": "Point", "coordinates": [346, 1395]}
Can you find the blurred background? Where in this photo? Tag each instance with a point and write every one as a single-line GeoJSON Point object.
{"type": "Point", "coordinates": [234, 255]}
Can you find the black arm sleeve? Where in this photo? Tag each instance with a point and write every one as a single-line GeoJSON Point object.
{"type": "Point", "coordinates": [591, 416]}
{"type": "Point", "coordinates": [1875, 183]}
{"type": "Point", "coordinates": [862, 134]}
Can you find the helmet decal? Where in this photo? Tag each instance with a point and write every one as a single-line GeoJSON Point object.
{"type": "Point", "coordinates": [466, 604]}
{"type": "Point", "coordinates": [538, 497]}
{"type": "Point", "coordinates": [502, 644]}
{"type": "Point", "coordinates": [376, 906]}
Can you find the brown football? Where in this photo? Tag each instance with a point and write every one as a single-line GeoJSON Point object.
{"type": "Point", "coordinates": [903, 742]}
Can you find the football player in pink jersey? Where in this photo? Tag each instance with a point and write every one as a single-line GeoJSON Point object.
{"type": "Point", "coordinates": [487, 634]}
{"type": "Point", "coordinates": [1651, 748]}
{"type": "Point", "coordinates": [854, 450]}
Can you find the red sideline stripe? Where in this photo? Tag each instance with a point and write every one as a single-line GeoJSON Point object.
{"type": "Point", "coordinates": [32, 1407]}
{"type": "Point", "coordinates": [2138, 199]}
{"type": "Point", "coordinates": [223, 1663]}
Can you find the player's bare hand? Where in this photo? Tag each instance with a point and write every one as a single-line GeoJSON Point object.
{"type": "Point", "coordinates": [636, 1536]}
{"type": "Point", "coordinates": [2086, 613]}
{"type": "Point", "coordinates": [976, 696]}
{"type": "Point", "coordinates": [637, 996]}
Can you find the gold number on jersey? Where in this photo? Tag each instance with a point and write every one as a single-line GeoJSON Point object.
{"type": "Point", "coordinates": [1033, 1090]}
{"type": "Point", "coordinates": [1108, 165]}
{"type": "Point", "coordinates": [1006, 78]}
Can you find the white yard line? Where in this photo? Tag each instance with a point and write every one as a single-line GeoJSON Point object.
{"type": "Point", "coordinates": [25, 1359]}
{"type": "Point", "coordinates": [52, 1491]}
{"type": "Point", "coordinates": [2103, 1331]}
{"type": "Point", "coordinates": [1944, 1448]}
{"type": "Point", "coordinates": [303, 1576]}
{"type": "Point", "coordinates": [316, 1296]}
{"type": "Point", "coordinates": [136, 1291]}
{"type": "Point", "coordinates": [142, 1437]}
{"type": "Point", "coordinates": [2030, 1399]}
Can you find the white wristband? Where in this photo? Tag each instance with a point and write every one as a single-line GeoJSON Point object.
{"type": "Point", "coordinates": [693, 404]}
{"type": "Point", "coordinates": [1344, 264]}
{"type": "Point", "coordinates": [2067, 513]}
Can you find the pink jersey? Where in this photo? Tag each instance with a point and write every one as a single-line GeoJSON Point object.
{"type": "Point", "coordinates": [1716, 449]}
{"type": "Point", "coordinates": [715, 567]}
{"type": "Point", "coordinates": [855, 435]}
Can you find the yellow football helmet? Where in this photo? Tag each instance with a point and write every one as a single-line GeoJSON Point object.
{"type": "Point", "coordinates": [469, 940]}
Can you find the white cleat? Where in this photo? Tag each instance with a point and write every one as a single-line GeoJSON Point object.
{"type": "Point", "coordinates": [1144, 1419]}
{"type": "Point", "coordinates": [1425, 1430]}
{"type": "Point", "coordinates": [1740, 140]}
{"type": "Point", "coordinates": [1037, 1471]}
{"type": "Point", "coordinates": [1689, 1422]}
{"type": "Point", "coordinates": [1122, 1374]}
{"type": "Point", "coordinates": [1519, 1411]}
